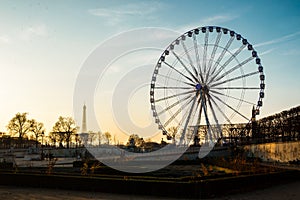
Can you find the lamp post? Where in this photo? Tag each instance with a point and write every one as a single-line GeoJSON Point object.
{"type": "Point", "coordinates": [42, 156]}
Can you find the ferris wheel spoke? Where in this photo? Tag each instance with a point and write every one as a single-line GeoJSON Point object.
{"type": "Point", "coordinates": [197, 126]}
{"type": "Point", "coordinates": [215, 118]}
{"type": "Point", "coordinates": [196, 118]}
{"type": "Point", "coordinates": [205, 53]}
{"type": "Point", "coordinates": [236, 88]}
{"type": "Point", "coordinates": [173, 96]}
{"type": "Point", "coordinates": [189, 58]}
{"type": "Point", "coordinates": [227, 62]}
{"type": "Point", "coordinates": [197, 57]}
{"type": "Point", "coordinates": [234, 68]}
{"type": "Point", "coordinates": [177, 80]}
{"type": "Point", "coordinates": [222, 54]}
{"type": "Point", "coordinates": [181, 121]}
{"type": "Point", "coordinates": [174, 104]}
{"type": "Point", "coordinates": [179, 72]}
{"type": "Point", "coordinates": [200, 111]}
{"type": "Point", "coordinates": [197, 106]}
{"type": "Point", "coordinates": [235, 78]}
{"type": "Point", "coordinates": [188, 117]}
{"type": "Point", "coordinates": [213, 54]}
{"type": "Point", "coordinates": [177, 113]}
{"type": "Point", "coordinates": [230, 107]}
{"type": "Point", "coordinates": [226, 95]}
{"type": "Point", "coordinates": [220, 110]}
{"type": "Point", "coordinates": [185, 67]}
{"type": "Point", "coordinates": [171, 87]}
{"type": "Point", "coordinates": [184, 116]}
{"type": "Point", "coordinates": [193, 116]}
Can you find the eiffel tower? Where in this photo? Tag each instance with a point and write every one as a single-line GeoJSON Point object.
{"type": "Point", "coordinates": [83, 127]}
{"type": "Point", "coordinates": [84, 134]}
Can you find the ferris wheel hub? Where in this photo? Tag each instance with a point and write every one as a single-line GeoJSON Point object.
{"type": "Point", "coordinates": [204, 88]}
{"type": "Point", "coordinates": [198, 86]}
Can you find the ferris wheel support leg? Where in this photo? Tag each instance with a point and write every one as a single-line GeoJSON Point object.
{"type": "Point", "coordinates": [207, 121]}
{"type": "Point", "coordinates": [219, 134]}
{"type": "Point", "coordinates": [188, 119]}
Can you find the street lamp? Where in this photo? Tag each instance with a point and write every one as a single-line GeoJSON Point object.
{"type": "Point", "coordinates": [43, 138]}
{"type": "Point", "coordinates": [42, 156]}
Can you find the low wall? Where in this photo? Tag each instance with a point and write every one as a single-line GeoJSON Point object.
{"type": "Point", "coordinates": [178, 189]}
{"type": "Point", "coordinates": [276, 151]}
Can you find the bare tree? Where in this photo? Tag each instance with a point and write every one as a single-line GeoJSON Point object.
{"type": "Point", "coordinates": [37, 128]}
{"type": "Point", "coordinates": [135, 140]}
{"type": "Point", "coordinates": [91, 137]}
{"type": "Point", "coordinates": [172, 131]}
{"type": "Point", "coordinates": [107, 137]}
{"type": "Point", "coordinates": [56, 137]}
{"type": "Point", "coordinates": [65, 129]}
{"type": "Point", "coordinates": [19, 125]}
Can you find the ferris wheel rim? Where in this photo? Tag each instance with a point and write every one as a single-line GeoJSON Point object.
{"type": "Point", "coordinates": [197, 81]}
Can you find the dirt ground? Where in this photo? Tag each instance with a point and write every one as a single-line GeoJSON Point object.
{"type": "Point", "coordinates": [289, 191]}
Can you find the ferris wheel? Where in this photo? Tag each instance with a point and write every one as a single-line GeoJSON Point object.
{"type": "Point", "coordinates": [207, 77]}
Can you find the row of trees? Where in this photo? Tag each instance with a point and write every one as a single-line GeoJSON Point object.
{"type": "Point", "coordinates": [64, 131]}
{"type": "Point", "coordinates": [20, 125]}
{"type": "Point", "coordinates": [284, 125]}
{"type": "Point", "coordinates": [98, 138]}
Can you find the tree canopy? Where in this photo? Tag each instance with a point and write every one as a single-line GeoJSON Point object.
{"type": "Point", "coordinates": [135, 140]}
{"type": "Point", "coordinates": [37, 129]}
{"type": "Point", "coordinates": [107, 137]}
{"type": "Point", "coordinates": [63, 130]}
{"type": "Point", "coordinates": [19, 125]}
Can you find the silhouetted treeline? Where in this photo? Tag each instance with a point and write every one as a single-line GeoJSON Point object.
{"type": "Point", "coordinates": [283, 126]}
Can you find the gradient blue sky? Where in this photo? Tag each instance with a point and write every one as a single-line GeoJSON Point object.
{"type": "Point", "coordinates": [44, 43]}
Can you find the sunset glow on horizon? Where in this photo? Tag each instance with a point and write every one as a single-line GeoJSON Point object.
{"type": "Point", "coordinates": [43, 46]}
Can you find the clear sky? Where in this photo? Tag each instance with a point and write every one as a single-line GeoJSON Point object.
{"type": "Point", "coordinates": [44, 43]}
